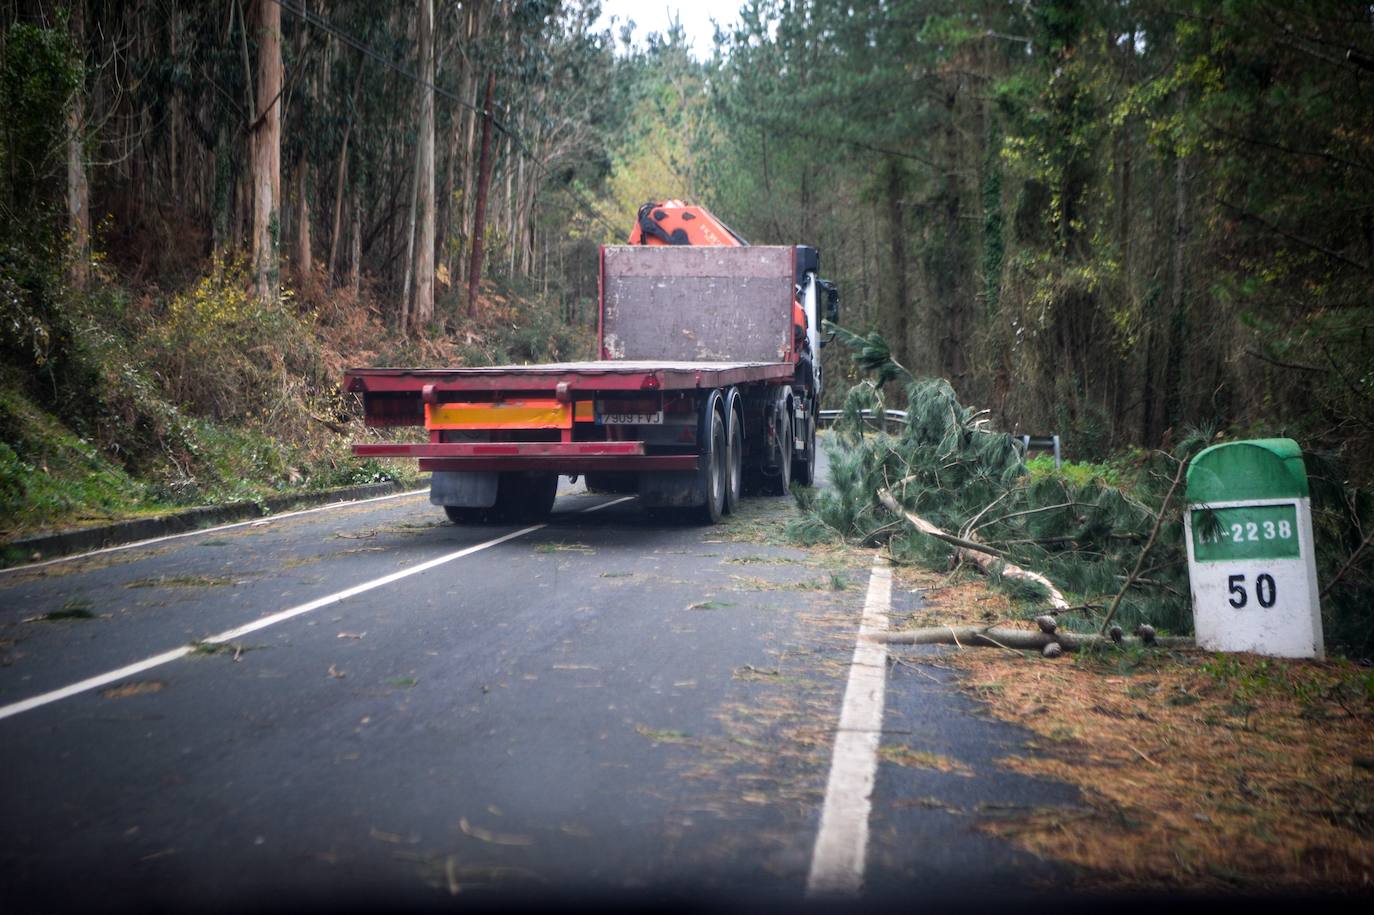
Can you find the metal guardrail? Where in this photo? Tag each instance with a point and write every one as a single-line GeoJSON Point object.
{"type": "Point", "coordinates": [1028, 442]}
{"type": "Point", "coordinates": [832, 415]}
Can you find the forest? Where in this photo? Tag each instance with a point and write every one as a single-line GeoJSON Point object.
{"type": "Point", "coordinates": [1116, 220]}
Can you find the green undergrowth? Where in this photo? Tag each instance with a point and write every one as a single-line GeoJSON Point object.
{"type": "Point", "coordinates": [125, 400]}
{"type": "Point", "coordinates": [116, 405]}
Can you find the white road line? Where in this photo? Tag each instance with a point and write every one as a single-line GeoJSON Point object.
{"type": "Point", "coordinates": [209, 530]}
{"type": "Point", "coordinates": [837, 861]}
{"type": "Point", "coordinates": [95, 682]}
{"type": "Point", "coordinates": [262, 623]}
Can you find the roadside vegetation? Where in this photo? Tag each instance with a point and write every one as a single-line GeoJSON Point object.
{"type": "Point", "coordinates": [1092, 544]}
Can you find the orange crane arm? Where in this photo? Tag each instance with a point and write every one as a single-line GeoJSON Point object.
{"type": "Point", "coordinates": [673, 222]}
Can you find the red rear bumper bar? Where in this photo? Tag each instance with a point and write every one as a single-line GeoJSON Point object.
{"type": "Point", "coordinates": [560, 457]}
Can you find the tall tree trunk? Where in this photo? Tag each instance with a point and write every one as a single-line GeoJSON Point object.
{"type": "Point", "coordinates": [355, 262]}
{"type": "Point", "coordinates": [899, 300]}
{"type": "Point", "coordinates": [1174, 380]}
{"type": "Point", "coordinates": [948, 279]}
{"type": "Point", "coordinates": [470, 141]}
{"type": "Point", "coordinates": [266, 152]}
{"type": "Point", "coordinates": [424, 256]}
{"type": "Point", "coordinates": [304, 257]}
{"type": "Point", "coordinates": [78, 188]}
{"type": "Point", "coordinates": [340, 183]}
{"type": "Point", "coordinates": [480, 207]}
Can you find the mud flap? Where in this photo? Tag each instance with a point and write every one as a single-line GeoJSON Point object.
{"type": "Point", "coordinates": [463, 489]}
{"type": "Point", "coordinates": [671, 489]}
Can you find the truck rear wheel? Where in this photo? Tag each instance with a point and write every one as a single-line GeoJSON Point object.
{"type": "Point", "coordinates": [714, 473]}
{"type": "Point", "coordinates": [463, 515]}
{"type": "Point", "coordinates": [525, 496]}
{"type": "Point", "coordinates": [779, 483]}
{"type": "Point", "coordinates": [804, 467]}
{"type": "Point", "coordinates": [734, 460]}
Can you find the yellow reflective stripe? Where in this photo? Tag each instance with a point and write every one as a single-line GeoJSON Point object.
{"type": "Point", "coordinates": [584, 411]}
{"type": "Point", "coordinates": [509, 414]}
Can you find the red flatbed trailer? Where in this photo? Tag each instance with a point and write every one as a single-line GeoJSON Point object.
{"type": "Point", "coordinates": [684, 433]}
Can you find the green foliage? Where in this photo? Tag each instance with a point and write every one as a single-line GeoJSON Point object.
{"type": "Point", "coordinates": [40, 68]}
{"type": "Point", "coordinates": [226, 354]}
{"type": "Point", "coordinates": [1079, 525]}
{"type": "Point", "coordinates": [870, 354]}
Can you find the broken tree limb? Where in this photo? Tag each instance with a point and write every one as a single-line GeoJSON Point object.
{"type": "Point", "coordinates": [1024, 639]}
{"type": "Point", "coordinates": [1149, 544]}
{"type": "Point", "coordinates": [985, 557]}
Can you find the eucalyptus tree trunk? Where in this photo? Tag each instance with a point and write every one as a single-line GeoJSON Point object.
{"type": "Point", "coordinates": [340, 182]}
{"type": "Point", "coordinates": [78, 188]}
{"type": "Point", "coordinates": [424, 255]}
{"type": "Point", "coordinates": [265, 137]}
{"type": "Point", "coordinates": [480, 207]}
{"type": "Point", "coordinates": [304, 258]}
{"type": "Point", "coordinates": [355, 261]}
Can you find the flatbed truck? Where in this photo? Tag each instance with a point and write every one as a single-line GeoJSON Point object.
{"type": "Point", "coordinates": [704, 390]}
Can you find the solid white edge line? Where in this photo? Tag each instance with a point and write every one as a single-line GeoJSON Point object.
{"type": "Point", "coordinates": [166, 657]}
{"type": "Point", "coordinates": [837, 861]}
{"type": "Point", "coordinates": [266, 519]}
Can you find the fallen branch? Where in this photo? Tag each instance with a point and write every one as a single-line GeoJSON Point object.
{"type": "Point", "coordinates": [1081, 608]}
{"type": "Point", "coordinates": [974, 552]}
{"type": "Point", "coordinates": [1024, 639]}
{"type": "Point", "coordinates": [1149, 544]}
{"type": "Point", "coordinates": [1349, 563]}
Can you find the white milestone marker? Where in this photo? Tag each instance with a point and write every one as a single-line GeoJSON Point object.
{"type": "Point", "coordinates": [1251, 561]}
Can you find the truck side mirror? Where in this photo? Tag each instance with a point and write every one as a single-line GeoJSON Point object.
{"type": "Point", "coordinates": [832, 304]}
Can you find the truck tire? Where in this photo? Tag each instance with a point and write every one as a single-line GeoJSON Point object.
{"type": "Point", "coordinates": [779, 483]}
{"type": "Point", "coordinates": [463, 515]}
{"type": "Point", "coordinates": [525, 496]}
{"type": "Point", "coordinates": [804, 467]}
{"type": "Point", "coordinates": [714, 473]}
{"type": "Point", "coordinates": [734, 456]}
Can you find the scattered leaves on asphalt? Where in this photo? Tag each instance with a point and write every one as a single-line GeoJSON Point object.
{"type": "Point", "coordinates": [551, 547]}
{"type": "Point", "coordinates": [662, 736]}
{"type": "Point", "coordinates": [710, 605]}
{"type": "Point", "coordinates": [493, 838]}
{"type": "Point", "coordinates": [180, 581]}
{"type": "Point", "coordinates": [137, 688]}
{"type": "Point", "coordinates": [77, 608]}
{"type": "Point", "coordinates": [909, 758]}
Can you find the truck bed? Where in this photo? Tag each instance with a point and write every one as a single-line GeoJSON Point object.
{"type": "Point", "coordinates": [603, 375]}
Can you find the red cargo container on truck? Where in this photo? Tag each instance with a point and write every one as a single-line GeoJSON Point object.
{"type": "Point", "coordinates": [703, 390]}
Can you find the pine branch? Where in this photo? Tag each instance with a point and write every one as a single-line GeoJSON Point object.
{"type": "Point", "coordinates": [975, 552]}
{"type": "Point", "coordinates": [1145, 551]}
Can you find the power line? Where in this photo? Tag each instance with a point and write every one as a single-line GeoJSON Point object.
{"type": "Point", "coordinates": [517, 142]}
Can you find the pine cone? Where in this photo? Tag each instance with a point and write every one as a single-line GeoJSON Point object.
{"type": "Point", "coordinates": [1115, 633]}
{"type": "Point", "coordinates": [1052, 650]}
{"type": "Point", "coordinates": [1047, 624]}
{"type": "Point", "coordinates": [1146, 633]}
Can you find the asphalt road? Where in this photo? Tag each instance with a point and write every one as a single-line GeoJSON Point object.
{"type": "Point", "coordinates": [602, 707]}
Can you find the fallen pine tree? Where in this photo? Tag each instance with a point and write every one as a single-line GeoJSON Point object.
{"type": "Point", "coordinates": [984, 557]}
{"type": "Point", "coordinates": [945, 490]}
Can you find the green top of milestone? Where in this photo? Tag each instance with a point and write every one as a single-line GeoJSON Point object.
{"type": "Point", "coordinates": [1266, 468]}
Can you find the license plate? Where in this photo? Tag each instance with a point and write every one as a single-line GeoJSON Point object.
{"type": "Point", "coordinates": [631, 419]}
